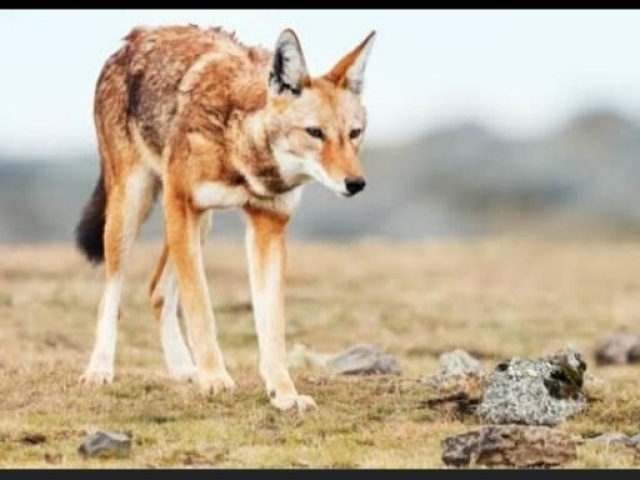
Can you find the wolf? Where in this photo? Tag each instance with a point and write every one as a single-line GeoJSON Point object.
{"type": "Point", "coordinates": [196, 117]}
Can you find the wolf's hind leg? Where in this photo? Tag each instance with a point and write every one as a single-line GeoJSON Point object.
{"type": "Point", "coordinates": [128, 205]}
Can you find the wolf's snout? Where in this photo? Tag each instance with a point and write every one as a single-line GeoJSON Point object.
{"type": "Point", "coordinates": [354, 184]}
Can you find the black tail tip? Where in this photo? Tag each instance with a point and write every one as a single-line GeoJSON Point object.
{"type": "Point", "coordinates": [90, 230]}
{"type": "Point", "coordinates": [89, 243]}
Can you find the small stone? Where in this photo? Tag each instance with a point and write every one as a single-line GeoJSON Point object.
{"type": "Point", "coordinates": [634, 441]}
{"type": "Point", "coordinates": [459, 362]}
{"type": "Point", "coordinates": [511, 445]}
{"type": "Point", "coordinates": [105, 444]}
{"type": "Point", "coordinates": [618, 349]}
{"type": "Point", "coordinates": [364, 359]}
{"type": "Point", "coordinates": [633, 356]}
{"type": "Point", "coordinates": [610, 438]}
{"type": "Point", "coordinates": [461, 376]}
{"type": "Point", "coordinates": [595, 387]}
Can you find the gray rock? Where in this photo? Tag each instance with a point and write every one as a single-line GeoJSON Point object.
{"type": "Point", "coordinates": [468, 385]}
{"type": "Point", "coordinates": [596, 388]}
{"type": "Point", "coordinates": [618, 349]}
{"type": "Point", "coordinates": [633, 356]}
{"type": "Point", "coordinates": [105, 444]}
{"type": "Point", "coordinates": [527, 391]}
{"type": "Point", "coordinates": [459, 384]}
{"type": "Point", "coordinates": [634, 441]}
{"type": "Point", "coordinates": [511, 445]}
{"type": "Point", "coordinates": [610, 438]}
{"type": "Point", "coordinates": [363, 359]}
{"type": "Point", "coordinates": [459, 362]}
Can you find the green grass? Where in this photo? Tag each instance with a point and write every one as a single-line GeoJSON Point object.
{"type": "Point", "coordinates": [494, 298]}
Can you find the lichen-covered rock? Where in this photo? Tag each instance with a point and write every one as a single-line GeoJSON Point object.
{"type": "Point", "coordinates": [510, 445]}
{"type": "Point", "coordinates": [542, 391]}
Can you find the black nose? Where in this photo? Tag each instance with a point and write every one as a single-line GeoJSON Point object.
{"type": "Point", "coordinates": [354, 184]}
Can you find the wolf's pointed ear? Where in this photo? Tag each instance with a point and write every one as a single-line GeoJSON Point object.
{"type": "Point", "coordinates": [349, 71]}
{"type": "Point", "coordinates": [288, 72]}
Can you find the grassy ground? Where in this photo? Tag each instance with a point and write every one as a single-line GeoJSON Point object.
{"type": "Point", "coordinates": [495, 298]}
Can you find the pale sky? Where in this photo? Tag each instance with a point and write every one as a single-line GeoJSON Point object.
{"type": "Point", "coordinates": [519, 72]}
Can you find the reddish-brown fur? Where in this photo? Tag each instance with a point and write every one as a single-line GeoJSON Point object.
{"type": "Point", "coordinates": [214, 123]}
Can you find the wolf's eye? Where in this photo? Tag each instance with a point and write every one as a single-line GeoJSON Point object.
{"type": "Point", "coordinates": [355, 133]}
{"type": "Point", "coordinates": [315, 132]}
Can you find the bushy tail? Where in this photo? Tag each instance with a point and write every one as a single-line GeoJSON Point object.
{"type": "Point", "coordinates": [90, 228]}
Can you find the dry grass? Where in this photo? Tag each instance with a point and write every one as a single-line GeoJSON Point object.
{"type": "Point", "coordinates": [494, 298]}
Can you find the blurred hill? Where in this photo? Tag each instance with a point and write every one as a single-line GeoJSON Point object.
{"type": "Point", "coordinates": [582, 180]}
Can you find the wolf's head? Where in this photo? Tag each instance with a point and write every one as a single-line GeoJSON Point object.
{"type": "Point", "coordinates": [316, 124]}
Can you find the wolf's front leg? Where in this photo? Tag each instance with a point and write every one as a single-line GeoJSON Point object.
{"type": "Point", "coordinates": [182, 224]}
{"type": "Point", "coordinates": [266, 255]}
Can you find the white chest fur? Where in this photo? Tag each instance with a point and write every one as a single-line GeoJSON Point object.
{"type": "Point", "coordinates": [219, 195]}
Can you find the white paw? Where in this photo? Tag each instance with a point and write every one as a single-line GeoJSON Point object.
{"type": "Point", "coordinates": [96, 378]}
{"type": "Point", "coordinates": [184, 375]}
{"type": "Point", "coordinates": [289, 402]}
{"type": "Point", "coordinates": [214, 383]}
